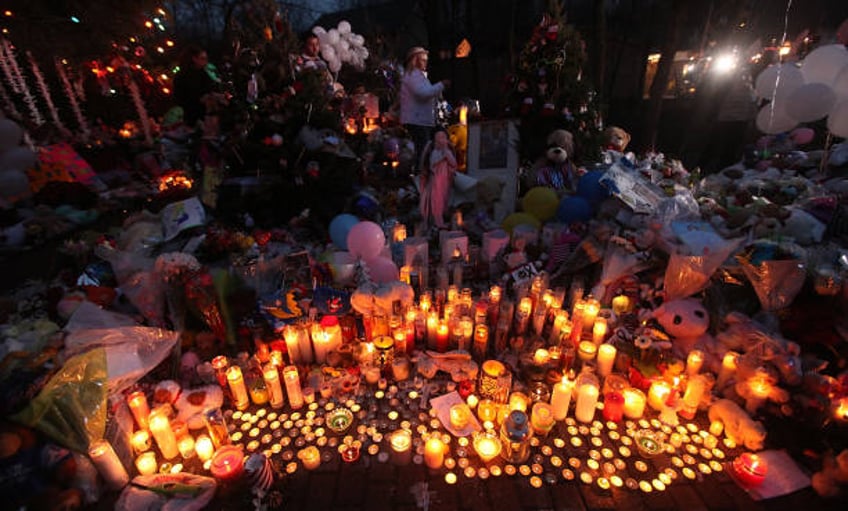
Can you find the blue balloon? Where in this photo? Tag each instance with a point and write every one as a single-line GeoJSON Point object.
{"type": "Point", "coordinates": [590, 188]}
{"type": "Point", "coordinates": [339, 227]}
{"type": "Point", "coordinates": [574, 209]}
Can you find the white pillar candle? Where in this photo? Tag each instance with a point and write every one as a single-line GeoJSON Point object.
{"type": "Point", "coordinates": [140, 441]}
{"type": "Point", "coordinates": [590, 312]}
{"type": "Point", "coordinates": [599, 331]}
{"type": "Point", "coordinates": [108, 465]}
{"type": "Point", "coordinates": [238, 388]}
{"type": "Point", "coordinates": [292, 379]}
{"type": "Point", "coordinates": [728, 369]}
{"type": "Point", "coordinates": [137, 401]}
{"type": "Point", "coordinates": [160, 428]}
{"type": "Point", "coordinates": [561, 398]}
{"type": "Point", "coordinates": [275, 390]}
{"type": "Point", "coordinates": [694, 362]}
{"type": "Point", "coordinates": [759, 389]}
{"type": "Point", "coordinates": [606, 359]}
{"type": "Point", "coordinates": [587, 399]}
{"type": "Point", "coordinates": [695, 388]}
{"type": "Point", "coordinates": [204, 448]}
{"type": "Point", "coordinates": [634, 403]}
{"type": "Point", "coordinates": [658, 394]}
{"type": "Point", "coordinates": [434, 453]}
{"type": "Point", "coordinates": [321, 343]}
{"type": "Point", "coordinates": [291, 334]}
{"type": "Point", "coordinates": [146, 463]}
{"type": "Point", "coordinates": [186, 447]}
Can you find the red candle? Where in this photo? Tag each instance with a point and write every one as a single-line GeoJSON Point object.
{"type": "Point", "coordinates": [750, 469]}
{"type": "Point", "coordinates": [220, 364]}
{"type": "Point", "coordinates": [613, 406]}
{"type": "Point", "coordinates": [442, 337]}
{"type": "Point", "coordinates": [227, 464]}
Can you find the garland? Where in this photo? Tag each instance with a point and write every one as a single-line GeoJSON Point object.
{"type": "Point", "coordinates": [7, 70]}
{"type": "Point", "coordinates": [7, 101]}
{"type": "Point", "coordinates": [22, 84]}
{"type": "Point", "coordinates": [142, 111]}
{"type": "Point", "coordinates": [45, 92]}
{"type": "Point", "coordinates": [72, 98]}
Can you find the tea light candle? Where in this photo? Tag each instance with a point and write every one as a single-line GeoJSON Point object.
{"type": "Point", "coordinates": [634, 403]}
{"type": "Point", "coordinates": [146, 463]}
{"type": "Point", "coordinates": [237, 388]}
{"type": "Point", "coordinates": [620, 304]}
{"type": "Point", "coordinates": [599, 331]}
{"type": "Point", "coordinates": [459, 416]}
{"type": "Point", "coordinates": [658, 394]}
{"type": "Point", "coordinates": [487, 410]}
{"type": "Point", "coordinates": [587, 400]}
{"type": "Point", "coordinates": [401, 443]}
{"type": "Point", "coordinates": [108, 465]}
{"type": "Point", "coordinates": [728, 369]}
{"type": "Point", "coordinates": [716, 428]}
{"type": "Point", "coordinates": [275, 390]}
{"type": "Point", "coordinates": [541, 357]}
{"type": "Point", "coordinates": [204, 448]}
{"type": "Point", "coordinates": [310, 457]}
{"type": "Point", "coordinates": [434, 453]}
{"type": "Point", "coordinates": [606, 359]}
{"type": "Point", "coordinates": [750, 469]}
{"type": "Point", "coordinates": [186, 447]}
{"type": "Point", "coordinates": [487, 446]}
{"type": "Point", "coordinates": [160, 428]}
{"type": "Point", "coordinates": [561, 398]}
{"type": "Point", "coordinates": [227, 463]}
{"type": "Point", "coordinates": [292, 380]}
{"type": "Point", "coordinates": [139, 407]}
{"type": "Point", "coordinates": [472, 401]}
{"type": "Point", "coordinates": [694, 361]}
{"type": "Point", "coordinates": [140, 441]}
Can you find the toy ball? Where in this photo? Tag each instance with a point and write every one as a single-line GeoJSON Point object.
{"type": "Point", "coordinates": [509, 223]}
{"type": "Point", "coordinates": [541, 202]}
{"type": "Point", "coordinates": [590, 188]}
{"type": "Point", "coordinates": [340, 227]}
{"type": "Point", "coordinates": [366, 240]}
{"type": "Point", "coordinates": [574, 209]}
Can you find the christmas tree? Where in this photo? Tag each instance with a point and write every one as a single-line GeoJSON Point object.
{"type": "Point", "coordinates": [548, 90]}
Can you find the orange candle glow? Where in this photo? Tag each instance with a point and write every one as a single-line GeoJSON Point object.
{"type": "Point", "coordinates": [434, 452]}
{"type": "Point", "coordinates": [137, 402]}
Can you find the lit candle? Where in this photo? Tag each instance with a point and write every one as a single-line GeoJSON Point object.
{"type": "Point", "coordinates": [695, 389]}
{"type": "Point", "coordinates": [434, 452]}
{"type": "Point", "coordinates": [227, 463]}
{"type": "Point", "coordinates": [487, 410]}
{"type": "Point", "coordinates": [541, 357]}
{"type": "Point", "coordinates": [613, 406]}
{"type": "Point", "coordinates": [759, 388]}
{"type": "Point", "coordinates": [310, 457]}
{"type": "Point", "coordinates": [634, 403]}
{"type": "Point", "coordinates": [519, 401]}
{"type": "Point", "coordinates": [590, 311]}
{"type": "Point", "coordinates": [432, 328]}
{"type": "Point", "coordinates": [275, 389]}
{"type": "Point", "coordinates": [587, 399]}
{"type": "Point", "coordinates": [561, 398]}
{"type": "Point", "coordinates": [237, 388]}
{"type": "Point", "coordinates": [560, 318]}
{"type": "Point", "coordinates": [466, 327]}
{"type": "Point", "coordinates": [606, 358]}
{"type": "Point", "coordinates": [137, 402]}
{"type": "Point", "coordinates": [481, 342]}
{"type": "Point", "coordinates": [108, 465]}
{"type": "Point", "coordinates": [442, 333]}
{"type": "Point", "coordinates": [459, 416]}
{"type": "Point", "coordinates": [146, 463]}
{"type": "Point", "coordinates": [694, 362]}
{"type": "Point", "coordinates": [186, 446]}
{"type": "Point", "coordinates": [586, 350]}
{"type": "Point", "coordinates": [220, 364]}
{"type": "Point", "coordinates": [204, 448]}
{"type": "Point", "coordinates": [320, 343]}
{"type": "Point", "coordinates": [472, 401]}
{"type": "Point", "coordinates": [599, 331]}
{"type": "Point", "coordinates": [292, 380]}
{"type": "Point", "coordinates": [522, 315]}
{"type": "Point", "coordinates": [404, 274]}
{"type": "Point", "coordinates": [400, 368]}
{"type": "Point", "coordinates": [728, 369]}
{"type": "Point", "coordinates": [542, 418]}
{"type": "Point", "coordinates": [160, 428]}
{"type": "Point", "coordinates": [750, 469]}
{"type": "Point", "coordinates": [840, 409]}
{"type": "Point", "coordinates": [658, 394]}
{"type": "Point", "coordinates": [291, 334]}
{"type": "Point", "coordinates": [140, 441]}
{"type": "Point", "coordinates": [372, 374]}
{"type": "Point", "coordinates": [487, 445]}
{"type": "Point", "coordinates": [716, 427]}
{"type": "Point", "coordinates": [620, 304]}
{"type": "Point", "coordinates": [401, 443]}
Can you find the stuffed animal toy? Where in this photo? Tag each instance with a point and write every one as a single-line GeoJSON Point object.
{"type": "Point", "coordinates": [832, 479]}
{"type": "Point", "coordinates": [758, 349]}
{"type": "Point", "coordinates": [616, 139]}
{"type": "Point", "coordinates": [686, 321]}
{"type": "Point", "coordinates": [555, 170]}
{"type": "Point", "coordinates": [738, 425]}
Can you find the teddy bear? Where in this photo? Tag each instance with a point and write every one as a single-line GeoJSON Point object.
{"type": "Point", "coordinates": [832, 479]}
{"type": "Point", "coordinates": [686, 321]}
{"type": "Point", "coordinates": [555, 170]}
{"type": "Point", "coordinates": [738, 425]}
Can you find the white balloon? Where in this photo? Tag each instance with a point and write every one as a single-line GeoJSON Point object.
{"type": "Point", "coordinates": [774, 120]}
{"type": "Point", "coordinates": [785, 77]}
{"type": "Point", "coordinates": [328, 52]}
{"type": "Point", "coordinates": [810, 102]}
{"type": "Point", "coordinates": [18, 158]}
{"type": "Point", "coordinates": [333, 36]}
{"type": "Point", "coordinates": [14, 185]}
{"type": "Point", "coordinates": [823, 63]}
{"type": "Point", "coordinates": [344, 45]}
{"type": "Point", "coordinates": [344, 27]}
{"type": "Point", "coordinates": [840, 84]}
{"type": "Point", "coordinates": [318, 30]}
{"type": "Point", "coordinates": [837, 121]}
{"type": "Point", "coordinates": [10, 134]}
{"type": "Point", "coordinates": [335, 65]}
{"type": "Point", "coordinates": [344, 55]}
{"type": "Point", "coordinates": [358, 39]}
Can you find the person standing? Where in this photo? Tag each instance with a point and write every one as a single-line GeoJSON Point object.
{"type": "Point", "coordinates": [418, 99]}
{"type": "Point", "coordinates": [438, 167]}
{"type": "Point", "coordinates": [310, 57]}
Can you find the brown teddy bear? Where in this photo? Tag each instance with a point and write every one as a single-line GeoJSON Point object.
{"type": "Point", "coordinates": [616, 139]}
{"type": "Point", "coordinates": [555, 170]}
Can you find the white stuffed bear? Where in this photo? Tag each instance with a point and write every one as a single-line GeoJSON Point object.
{"type": "Point", "coordinates": [738, 425]}
{"type": "Point", "coordinates": [686, 321]}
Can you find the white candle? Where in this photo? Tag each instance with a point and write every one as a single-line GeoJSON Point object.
{"type": "Point", "coordinates": [590, 312]}
{"type": "Point", "coordinates": [140, 441]}
{"type": "Point", "coordinates": [204, 448]}
{"type": "Point", "coordinates": [291, 334]}
{"type": "Point", "coordinates": [599, 331]}
{"type": "Point", "coordinates": [401, 442]}
{"type": "Point", "coordinates": [487, 445]}
{"type": "Point", "coordinates": [292, 379]}
{"type": "Point", "coordinates": [658, 394]}
{"type": "Point", "coordinates": [186, 446]}
{"type": "Point", "coordinates": [275, 389]}
{"type": "Point", "coordinates": [541, 356]}
{"type": "Point", "coordinates": [310, 457]}
{"type": "Point", "coordinates": [728, 369]}
{"type": "Point", "coordinates": [108, 465]}
{"type": "Point", "coordinates": [237, 387]}
{"type": "Point", "coordinates": [561, 398]}
{"type": "Point", "coordinates": [434, 453]}
{"type": "Point", "coordinates": [146, 463]}
{"type": "Point", "coordinates": [160, 428]}
{"type": "Point", "coordinates": [759, 388]}
{"type": "Point", "coordinates": [587, 399]}
{"type": "Point", "coordinates": [606, 358]}
{"type": "Point", "coordinates": [695, 388]}
{"type": "Point", "coordinates": [321, 343]}
{"type": "Point", "coordinates": [137, 402]}
{"type": "Point", "coordinates": [694, 362]}
{"type": "Point", "coordinates": [634, 403]}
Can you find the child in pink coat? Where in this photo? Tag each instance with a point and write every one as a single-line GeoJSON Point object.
{"type": "Point", "coordinates": [438, 165]}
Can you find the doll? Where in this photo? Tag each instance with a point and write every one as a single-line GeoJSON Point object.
{"type": "Point", "coordinates": [438, 165]}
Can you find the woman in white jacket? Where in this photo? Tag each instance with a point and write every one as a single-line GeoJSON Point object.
{"type": "Point", "coordinates": [418, 99]}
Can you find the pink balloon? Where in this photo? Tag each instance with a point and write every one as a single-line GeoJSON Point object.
{"type": "Point", "coordinates": [382, 270]}
{"type": "Point", "coordinates": [365, 240]}
{"type": "Point", "coordinates": [802, 136]}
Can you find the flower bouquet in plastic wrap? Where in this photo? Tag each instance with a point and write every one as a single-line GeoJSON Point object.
{"type": "Point", "coordinates": [202, 297]}
{"type": "Point", "coordinates": [776, 271]}
{"type": "Point", "coordinates": [175, 269]}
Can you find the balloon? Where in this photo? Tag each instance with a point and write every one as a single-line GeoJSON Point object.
{"type": "Point", "coordinates": [837, 121]}
{"type": "Point", "coordinates": [328, 52]}
{"type": "Point", "coordinates": [319, 31]}
{"type": "Point", "coordinates": [810, 102]}
{"type": "Point", "coordinates": [333, 36]}
{"type": "Point", "coordinates": [340, 226]}
{"type": "Point", "coordinates": [840, 84]}
{"type": "Point", "coordinates": [19, 158]}
{"type": "Point", "coordinates": [574, 209]}
{"type": "Point", "coordinates": [366, 240]}
{"type": "Point", "coordinates": [774, 120]}
{"type": "Point", "coordinates": [10, 134]}
{"type": "Point", "coordinates": [344, 27]}
{"type": "Point", "coordinates": [785, 77]}
{"type": "Point", "coordinates": [358, 40]}
{"type": "Point", "coordinates": [382, 270]}
{"type": "Point", "coordinates": [823, 63]}
{"type": "Point", "coordinates": [515, 219]}
{"type": "Point", "coordinates": [590, 188]}
{"type": "Point", "coordinates": [541, 202]}
{"type": "Point", "coordinates": [335, 65]}
{"type": "Point", "coordinates": [14, 185]}
{"type": "Point", "coordinates": [802, 136]}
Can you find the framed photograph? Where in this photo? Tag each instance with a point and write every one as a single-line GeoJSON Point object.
{"type": "Point", "coordinates": [493, 154]}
